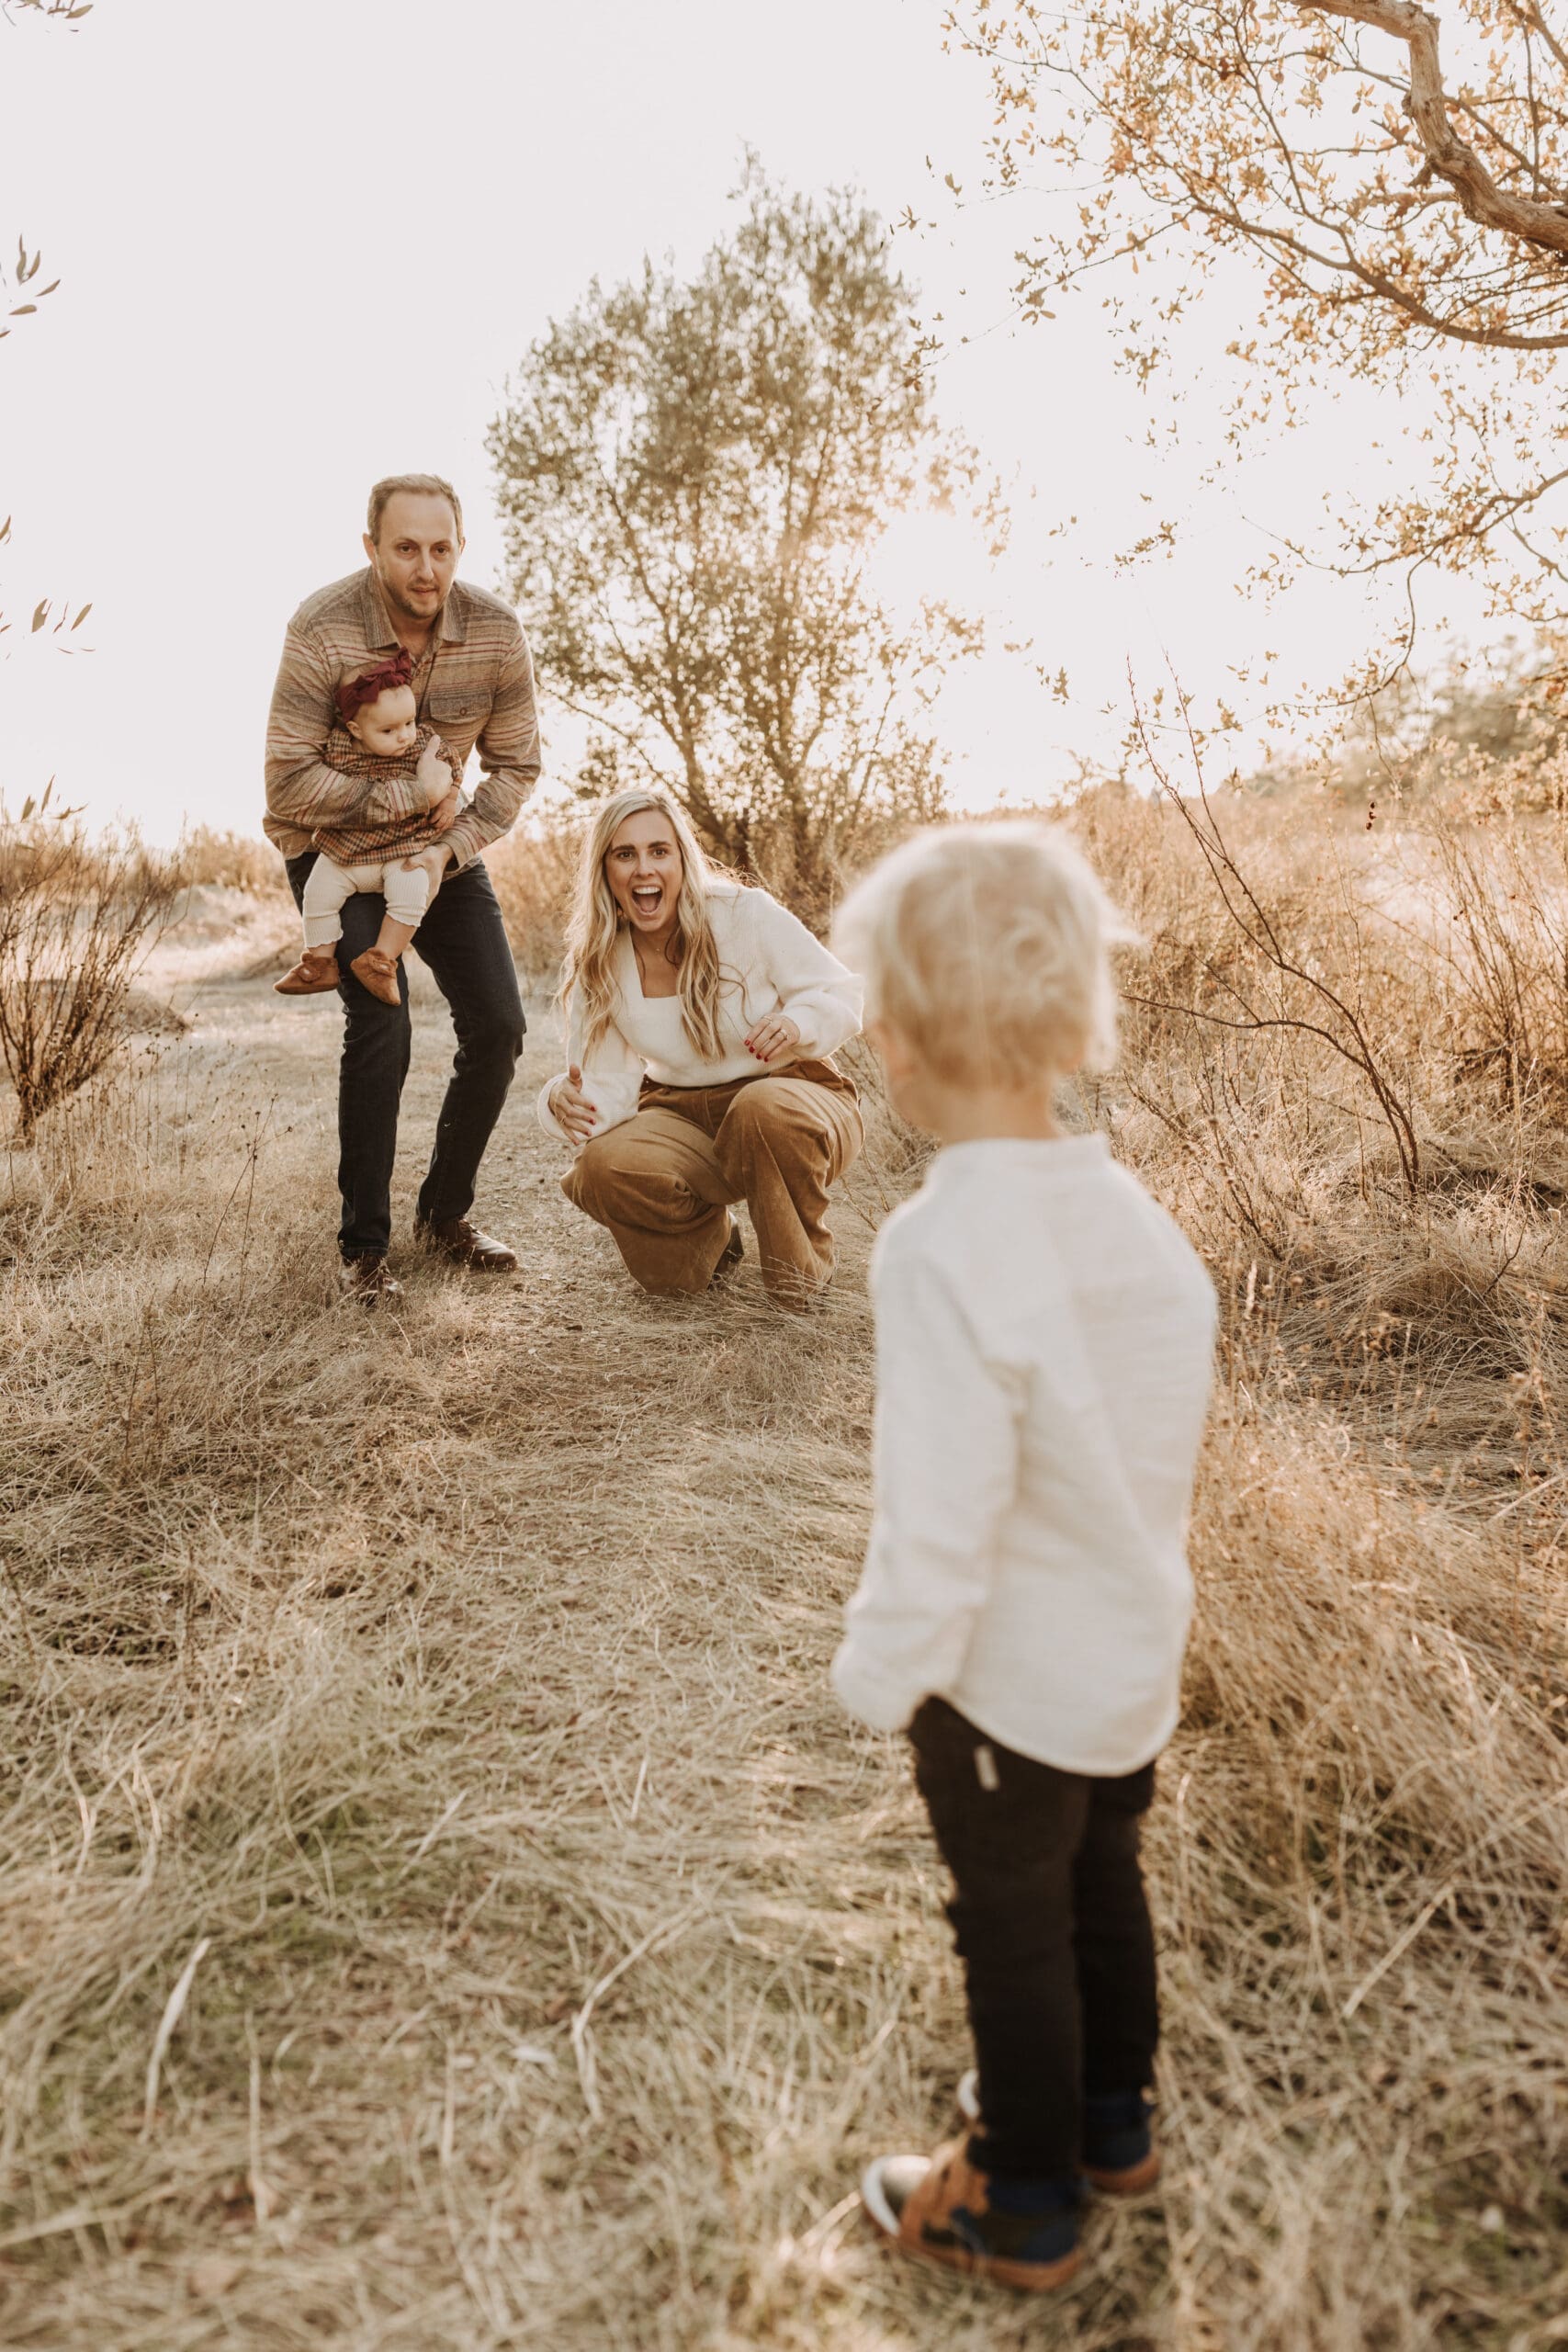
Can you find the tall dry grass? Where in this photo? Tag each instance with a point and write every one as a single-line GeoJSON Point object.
{"type": "Point", "coordinates": [532, 870]}
{"type": "Point", "coordinates": [441, 1905]}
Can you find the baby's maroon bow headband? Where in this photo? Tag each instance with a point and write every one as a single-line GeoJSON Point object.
{"type": "Point", "coordinates": [397, 670]}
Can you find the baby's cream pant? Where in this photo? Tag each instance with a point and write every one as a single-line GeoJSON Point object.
{"type": "Point", "coordinates": [406, 889]}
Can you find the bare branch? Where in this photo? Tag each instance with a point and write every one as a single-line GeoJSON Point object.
{"type": "Point", "coordinates": [1536, 224]}
{"type": "Point", "coordinates": [1534, 21]}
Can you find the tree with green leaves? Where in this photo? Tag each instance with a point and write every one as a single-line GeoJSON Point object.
{"type": "Point", "coordinates": [694, 474]}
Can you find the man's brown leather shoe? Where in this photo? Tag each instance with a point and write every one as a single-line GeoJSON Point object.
{"type": "Point", "coordinates": [464, 1245]}
{"type": "Point", "coordinates": [365, 1279]}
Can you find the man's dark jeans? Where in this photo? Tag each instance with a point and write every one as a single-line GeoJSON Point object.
{"type": "Point", "coordinates": [463, 940]}
{"type": "Point", "coordinates": [1053, 1928]}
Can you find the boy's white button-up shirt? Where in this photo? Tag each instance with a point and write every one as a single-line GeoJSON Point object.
{"type": "Point", "coordinates": [1045, 1348]}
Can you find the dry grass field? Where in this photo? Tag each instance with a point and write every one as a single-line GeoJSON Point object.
{"type": "Point", "coordinates": [441, 1905]}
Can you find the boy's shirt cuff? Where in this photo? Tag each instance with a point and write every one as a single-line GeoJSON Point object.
{"type": "Point", "coordinates": [869, 1693]}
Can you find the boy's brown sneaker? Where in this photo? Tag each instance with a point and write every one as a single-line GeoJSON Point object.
{"type": "Point", "coordinates": [377, 973]}
{"type": "Point", "coordinates": [941, 2209]}
{"type": "Point", "coordinates": [1120, 2156]}
{"type": "Point", "coordinates": [311, 977]}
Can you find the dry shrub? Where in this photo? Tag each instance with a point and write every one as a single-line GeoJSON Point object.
{"type": "Point", "coordinates": [77, 918]}
{"type": "Point", "coordinates": [1502, 929]}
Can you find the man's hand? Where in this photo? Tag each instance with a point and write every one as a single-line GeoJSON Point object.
{"type": "Point", "coordinates": [435, 860]}
{"type": "Point", "coordinates": [434, 773]}
{"type": "Point", "coordinates": [444, 815]}
{"type": "Point", "coordinates": [570, 1106]}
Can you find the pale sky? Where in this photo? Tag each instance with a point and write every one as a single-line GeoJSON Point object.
{"type": "Point", "coordinates": [302, 245]}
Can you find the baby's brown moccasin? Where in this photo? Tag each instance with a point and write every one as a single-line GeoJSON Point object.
{"type": "Point", "coordinates": [312, 976]}
{"type": "Point", "coordinates": [377, 973]}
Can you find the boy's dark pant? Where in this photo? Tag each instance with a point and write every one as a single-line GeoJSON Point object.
{"type": "Point", "coordinates": [1052, 1928]}
{"type": "Point", "coordinates": [463, 940]}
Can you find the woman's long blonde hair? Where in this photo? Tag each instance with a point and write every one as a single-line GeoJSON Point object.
{"type": "Point", "coordinates": [589, 988]}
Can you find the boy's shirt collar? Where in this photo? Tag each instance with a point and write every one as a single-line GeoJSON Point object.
{"type": "Point", "coordinates": [1048, 1155]}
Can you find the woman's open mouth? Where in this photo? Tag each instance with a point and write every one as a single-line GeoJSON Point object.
{"type": "Point", "coordinates": [648, 897]}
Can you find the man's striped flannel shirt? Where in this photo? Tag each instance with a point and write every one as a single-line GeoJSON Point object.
{"type": "Point", "coordinates": [474, 683]}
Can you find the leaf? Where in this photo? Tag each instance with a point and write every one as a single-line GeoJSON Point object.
{"type": "Point", "coordinates": [40, 615]}
{"type": "Point", "coordinates": [212, 2275]}
{"type": "Point", "coordinates": [21, 310]}
{"type": "Point", "coordinates": [4, 530]}
{"type": "Point", "coordinates": [47, 289]}
{"type": "Point", "coordinates": [82, 615]}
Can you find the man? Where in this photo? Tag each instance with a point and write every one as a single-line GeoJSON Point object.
{"type": "Point", "coordinates": [474, 682]}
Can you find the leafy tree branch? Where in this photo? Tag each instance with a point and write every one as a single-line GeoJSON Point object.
{"type": "Point", "coordinates": [1388, 189]}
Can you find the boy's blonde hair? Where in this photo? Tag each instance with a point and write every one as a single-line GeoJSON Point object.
{"type": "Point", "coordinates": [986, 946]}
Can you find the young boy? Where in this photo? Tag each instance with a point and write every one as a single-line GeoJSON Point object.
{"type": "Point", "coordinates": [1045, 1337]}
{"type": "Point", "coordinates": [378, 736]}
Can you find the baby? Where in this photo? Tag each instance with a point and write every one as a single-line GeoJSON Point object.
{"type": "Point", "coordinates": [1044, 1340]}
{"type": "Point", "coordinates": [379, 739]}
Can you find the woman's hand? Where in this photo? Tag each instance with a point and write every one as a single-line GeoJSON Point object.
{"type": "Point", "coordinates": [570, 1108]}
{"type": "Point", "coordinates": [774, 1039]}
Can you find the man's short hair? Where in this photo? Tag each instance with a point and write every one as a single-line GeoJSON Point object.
{"type": "Point", "coordinates": [987, 947]}
{"type": "Point", "coordinates": [422, 486]}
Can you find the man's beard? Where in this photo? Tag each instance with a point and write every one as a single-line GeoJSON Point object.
{"type": "Point", "coordinates": [401, 605]}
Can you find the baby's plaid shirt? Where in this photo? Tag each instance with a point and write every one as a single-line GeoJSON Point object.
{"type": "Point", "coordinates": [363, 844]}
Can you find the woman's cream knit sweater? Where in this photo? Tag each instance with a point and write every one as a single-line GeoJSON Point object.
{"type": "Point", "coordinates": [771, 964]}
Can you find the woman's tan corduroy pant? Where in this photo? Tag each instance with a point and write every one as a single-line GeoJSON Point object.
{"type": "Point", "coordinates": [661, 1182]}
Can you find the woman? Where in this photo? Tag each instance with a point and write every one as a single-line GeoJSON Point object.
{"type": "Point", "coordinates": [701, 1020]}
